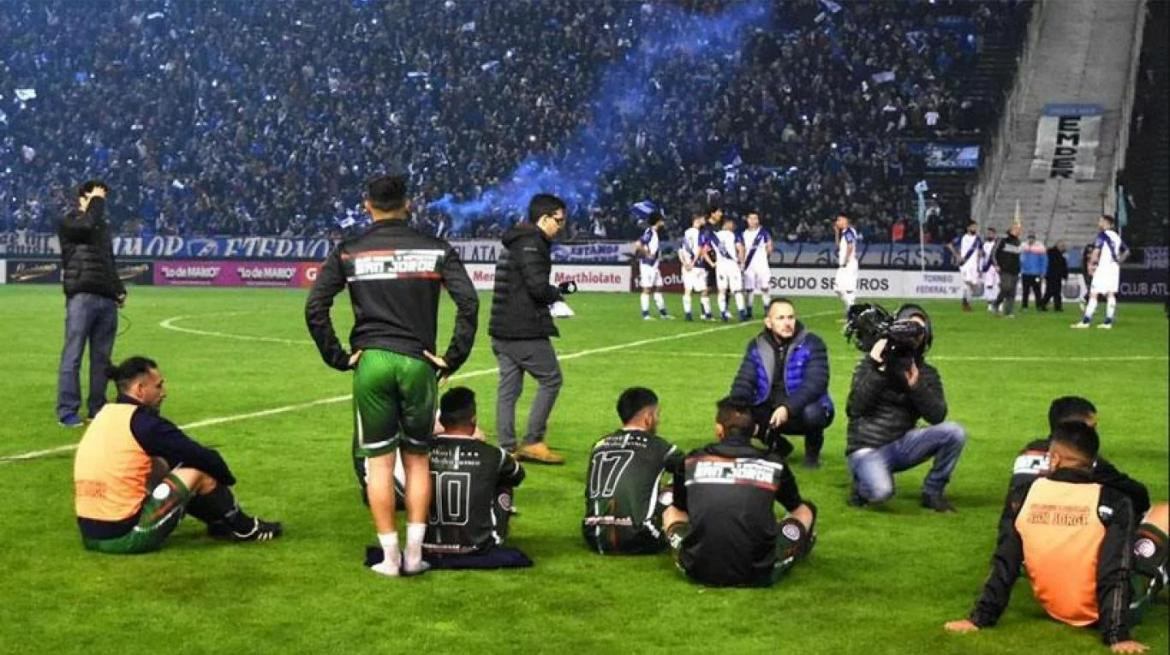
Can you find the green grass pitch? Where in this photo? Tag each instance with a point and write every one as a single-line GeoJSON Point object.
{"type": "Point", "coordinates": [879, 580]}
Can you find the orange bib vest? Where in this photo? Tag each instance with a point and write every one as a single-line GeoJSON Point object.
{"type": "Point", "coordinates": [111, 471]}
{"type": "Point", "coordinates": [1062, 537]}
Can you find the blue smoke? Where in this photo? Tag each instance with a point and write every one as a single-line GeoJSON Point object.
{"type": "Point", "coordinates": [627, 94]}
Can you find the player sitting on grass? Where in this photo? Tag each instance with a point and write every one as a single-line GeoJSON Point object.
{"type": "Point", "coordinates": [473, 481]}
{"type": "Point", "coordinates": [623, 510]}
{"type": "Point", "coordinates": [1033, 459]}
{"type": "Point", "coordinates": [136, 473]}
{"type": "Point", "coordinates": [1076, 538]}
{"type": "Point", "coordinates": [722, 526]}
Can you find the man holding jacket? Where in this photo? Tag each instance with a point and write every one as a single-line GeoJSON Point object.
{"type": "Point", "coordinates": [886, 399]}
{"type": "Point", "coordinates": [521, 327]}
{"type": "Point", "coordinates": [785, 378]}
{"type": "Point", "coordinates": [93, 294]}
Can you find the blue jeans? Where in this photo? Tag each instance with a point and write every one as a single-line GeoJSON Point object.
{"type": "Point", "coordinates": [874, 468]}
{"type": "Point", "coordinates": [93, 318]}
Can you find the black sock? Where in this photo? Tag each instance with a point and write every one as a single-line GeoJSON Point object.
{"type": "Point", "coordinates": [813, 442]}
{"type": "Point", "coordinates": [220, 506]}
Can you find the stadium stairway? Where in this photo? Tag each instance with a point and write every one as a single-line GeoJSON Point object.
{"type": "Point", "coordinates": [1081, 54]}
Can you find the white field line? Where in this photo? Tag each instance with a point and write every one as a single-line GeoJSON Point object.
{"type": "Point", "coordinates": [1055, 359]}
{"type": "Point", "coordinates": [169, 324]}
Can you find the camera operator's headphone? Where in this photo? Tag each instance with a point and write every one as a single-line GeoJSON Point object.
{"type": "Point", "coordinates": [910, 309]}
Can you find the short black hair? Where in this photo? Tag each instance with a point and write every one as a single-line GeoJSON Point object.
{"type": "Point", "coordinates": [1069, 408]}
{"type": "Point", "coordinates": [735, 416]}
{"type": "Point", "coordinates": [1079, 437]}
{"type": "Point", "coordinates": [457, 408]}
{"type": "Point", "coordinates": [387, 193]}
{"type": "Point", "coordinates": [89, 186]}
{"type": "Point", "coordinates": [129, 370]}
{"type": "Point", "coordinates": [634, 400]}
{"type": "Point", "coordinates": [975, 223]}
{"type": "Point", "coordinates": [698, 210]}
{"type": "Point", "coordinates": [992, 229]}
{"type": "Point", "coordinates": [655, 218]}
{"type": "Point", "coordinates": [1112, 221]}
{"type": "Point", "coordinates": [749, 212]}
{"type": "Point", "coordinates": [778, 300]}
{"type": "Point", "coordinates": [543, 204]}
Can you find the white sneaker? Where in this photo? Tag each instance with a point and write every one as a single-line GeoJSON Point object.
{"type": "Point", "coordinates": [1105, 326]}
{"type": "Point", "coordinates": [385, 568]}
{"type": "Point", "coordinates": [1079, 325]}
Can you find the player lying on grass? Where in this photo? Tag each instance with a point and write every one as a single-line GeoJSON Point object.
{"type": "Point", "coordinates": [623, 506]}
{"type": "Point", "coordinates": [1033, 459]}
{"type": "Point", "coordinates": [722, 526]}
{"type": "Point", "coordinates": [1087, 563]}
{"type": "Point", "coordinates": [136, 473]}
{"type": "Point", "coordinates": [473, 483]}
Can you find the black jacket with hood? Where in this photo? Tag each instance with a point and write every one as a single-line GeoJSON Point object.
{"type": "Point", "coordinates": [87, 253]}
{"type": "Point", "coordinates": [522, 292]}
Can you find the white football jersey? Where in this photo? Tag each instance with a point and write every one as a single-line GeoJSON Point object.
{"type": "Point", "coordinates": [757, 239]}
{"type": "Point", "coordinates": [848, 237]}
{"type": "Point", "coordinates": [1111, 249]}
{"type": "Point", "coordinates": [690, 243]}
{"type": "Point", "coordinates": [725, 247]}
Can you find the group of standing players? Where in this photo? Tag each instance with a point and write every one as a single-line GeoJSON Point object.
{"type": "Point", "coordinates": [715, 255]}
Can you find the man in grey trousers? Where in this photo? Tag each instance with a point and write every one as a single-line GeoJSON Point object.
{"type": "Point", "coordinates": [93, 294]}
{"type": "Point", "coordinates": [521, 327]}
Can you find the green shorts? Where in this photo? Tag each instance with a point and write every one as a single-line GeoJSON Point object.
{"type": "Point", "coordinates": [161, 512]}
{"type": "Point", "coordinates": [394, 404]}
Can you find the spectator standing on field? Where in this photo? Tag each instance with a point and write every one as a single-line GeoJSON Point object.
{"type": "Point", "coordinates": [1055, 277]}
{"type": "Point", "coordinates": [1007, 263]}
{"type": "Point", "coordinates": [521, 327]}
{"type": "Point", "coordinates": [93, 294]}
{"type": "Point", "coordinates": [1033, 266]}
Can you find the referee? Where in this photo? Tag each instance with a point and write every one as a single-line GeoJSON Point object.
{"type": "Point", "coordinates": [521, 327]}
{"type": "Point", "coordinates": [395, 276]}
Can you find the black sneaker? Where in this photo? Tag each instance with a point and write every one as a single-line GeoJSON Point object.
{"type": "Point", "coordinates": [855, 499]}
{"type": "Point", "coordinates": [937, 502]}
{"type": "Point", "coordinates": [261, 531]}
{"type": "Point", "coordinates": [811, 463]}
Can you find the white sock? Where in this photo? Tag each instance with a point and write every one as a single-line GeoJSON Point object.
{"type": "Point", "coordinates": [705, 303]}
{"type": "Point", "coordinates": [414, 539]}
{"type": "Point", "coordinates": [1090, 308]}
{"type": "Point", "coordinates": [739, 301]}
{"type": "Point", "coordinates": [687, 303]}
{"type": "Point", "coordinates": [849, 297]}
{"type": "Point", "coordinates": [1110, 307]}
{"type": "Point", "coordinates": [391, 556]}
{"type": "Point", "coordinates": [660, 301]}
{"type": "Point", "coordinates": [722, 301]}
{"type": "Point", "coordinates": [645, 301]}
{"type": "Point", "coordinates": [966, 294]}
{"type": "Point", "coordinates": [763, 299]}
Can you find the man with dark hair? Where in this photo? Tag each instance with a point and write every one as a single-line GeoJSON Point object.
{"type": "Point", "coordinates": [1108, 253]}
{"type": "Point", "coordinates": [990, 273]}
{"type": "Point", "coordinates": [473, 484]}
{"type": "Point", "coordinates": [1033, 460]}
{"type": "Point", "coordinates": [135, 473]}
{"type": "Point", "coordinates": [623, 506]}
{"type": "Point", "coordinates": [722, 526]}
{"type": "Point", "coordinates": [93, 294]}
{"type": "Point", "coordinates": [1006, 258]}
{"type": "Point", "coordinates": [395, 277]}
{"type": "Point", "coordinates": [757, 275]}
{"type": "Point", "coordinates": [647, 249]}
{"type": "Point", "coordinates": [847, 241]}
{"type": "Point", "coordinates": [1033, 264]}
{"type": "Point", "coordinates": [784, 376]}
{"type": "Point", "coordinates": [521, 327]}
{"type": "Point", "coordinates": [713, 214]}
{"type": "Point", "coordinates": [887, 397]}
{"type": "Point", "coordinates": [694, 257]}
{"type": "Point", "coordinates": [1076, 538]}
{"type": "Point", "coordinates": [1054, 277]}
{"type": "Point", "coordinates": [967, 249]}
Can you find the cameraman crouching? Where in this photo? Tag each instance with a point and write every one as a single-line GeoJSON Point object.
{"type": "Point", "coordinates": [892, 387]}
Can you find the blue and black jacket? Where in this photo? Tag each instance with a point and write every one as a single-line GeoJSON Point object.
{"type": "Point", "coordinates": [806, 371]}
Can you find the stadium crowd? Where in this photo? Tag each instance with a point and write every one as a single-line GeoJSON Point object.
{"type": "Point", "coordinates": [265, 118]}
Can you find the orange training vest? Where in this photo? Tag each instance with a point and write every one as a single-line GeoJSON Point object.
{"type": "Point", "coordinates": [111, 471]}
{"type": "Point", "coordinates": [1062, 537]}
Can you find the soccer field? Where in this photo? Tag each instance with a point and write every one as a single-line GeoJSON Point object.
{"type": "Point", "coordinates": [880, 580]}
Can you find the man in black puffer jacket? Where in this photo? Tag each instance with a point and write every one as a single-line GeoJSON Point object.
{"type": "Point", "coordinates": [885, 403]}
{"type": "Point", "coordinates": [93, 294]}
{"type": "Point", "coordinates": [521, 327]}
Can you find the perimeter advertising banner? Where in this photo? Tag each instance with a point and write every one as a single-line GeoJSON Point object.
{"type": "Point", "coordinates": [219, 273]}
{"type": "Point", "coordinates": [588, 278]}
{"type": "Point", "coordinates": [48, 271]}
